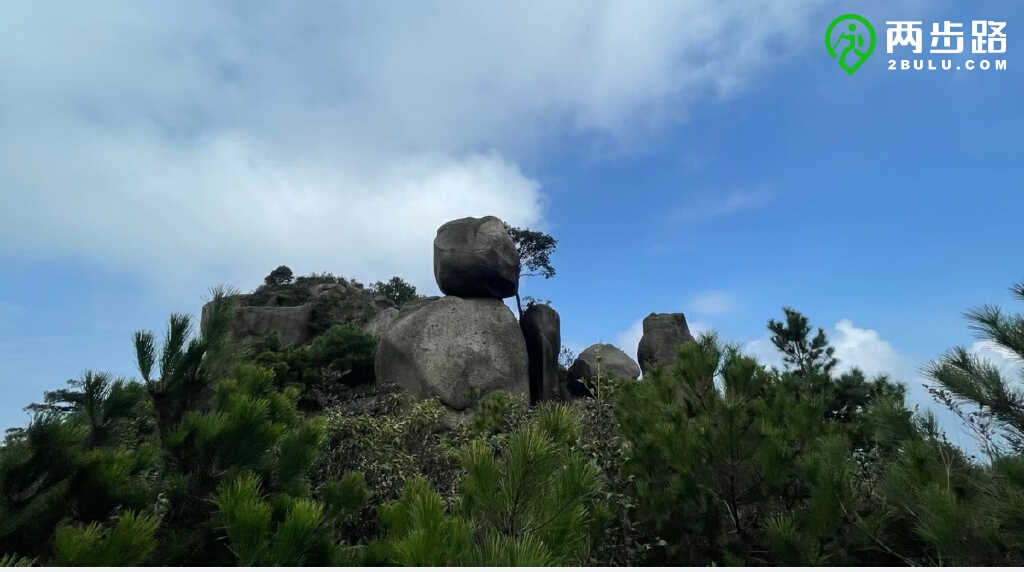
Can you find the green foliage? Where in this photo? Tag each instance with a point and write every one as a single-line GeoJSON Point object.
{"type": "Point", "coordinates": [806, 356]}
{"type": "Point", "coordinates": [210, 460]}
{"type": "Point", "coordinates": [734, 463]}
{"type": "Point", "coordinates": [535, 249]}
{"type": "Point", "coordinates": [284, 530]}
{"type": "Point", "coordinates": [128, 543]}
{"type": "Point", "coordinates": [396, 289]}
{"type": "Point", "coordinates": [11, 561]}
{"type": "Point", "coordinates": [530, 501]}
{"type": "Point", "coordinates": [990, 402]}
{"type": "Point", "coordinates": [400, 441]}
{"type": "Point", "coordinates": [291, 291]}
{"type": "Point", "coordinates": [188, 365]}
{"type": "Point", "coordinates": [279, 276]}
{"type": "Point", "coordinates": [340, 359]}
{"type": "Point", "coordinates": [55, 469]}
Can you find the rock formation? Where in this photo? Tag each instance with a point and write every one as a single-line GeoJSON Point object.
{"type": "Point", "coordinates": [467, 344]}
{"type": "Point", "coordinates": [327, 305]}
{"type": "Point", "coordinates": [614, 363]}
{"type": "Point", "coordinates": [663, 334]}
{"type": "Point", "coordinates": [476, 258]}
{"type": "Point", "coordinates": [542, 331]}
{"type": "Point", "coordinates": [455, 349]}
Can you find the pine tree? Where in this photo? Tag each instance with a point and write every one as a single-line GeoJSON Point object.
{"type": "Point", "coordinates": [532, 501]}
{"type": "Point", "coordinates": [987, 400]}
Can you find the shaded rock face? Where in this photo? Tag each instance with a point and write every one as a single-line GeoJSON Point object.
{"type": "Point", "coordinates": [476, 258]}
{"type": "Point", "coordinates": [663, 334]}
{"type": "Point", "coordinates": [253, 323]}
{"type": "Point", "coordinates": [382, 321]}
{"type": "Point", "coordinates": [542, 332]}
{"type": "Point", "coordinates": [455, 349]}
{"type": "Point", "coordinates": [614, 363]}
{"type": "Point", "coordinates": [330, 304]}
{"type": "Point", "coordinates": [319, 290]}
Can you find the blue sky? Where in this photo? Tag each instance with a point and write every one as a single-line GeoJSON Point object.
{"type": "Point", "coordinates": [704, 157]}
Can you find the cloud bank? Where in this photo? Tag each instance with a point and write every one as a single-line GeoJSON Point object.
{"type": "Point", "coordinates": [189, 141]}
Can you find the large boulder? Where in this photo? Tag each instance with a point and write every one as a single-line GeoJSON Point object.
{"type": "Point", "coordinates": [381, 322]}
{"type": "Point", "coordinates": [614, 363]}
{"type": "Point", "coordinates": [476, 258]}
{"type": "Point", "coordinates": [663, 334]}
{"type": "Point", "coordinates": [455, 349]}
{"type": "Point", "coordinates": [253, 323]}
{"type": "Point", "coordinates": [542, 331]}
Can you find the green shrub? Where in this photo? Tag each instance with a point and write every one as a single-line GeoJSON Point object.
{"type": "Point", "coordinates": [397, 290]}
{"type": "Point", "coordinates": [531, 501]}
{"type": "Point", "coordinates": [402, 441]}
{"type": "Point", "coordinates": [326, 370]}
{"type": "Point", "coordinates": [128, 543]}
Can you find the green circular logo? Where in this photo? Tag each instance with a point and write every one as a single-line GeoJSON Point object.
{"type": "Point", "coordinates": [859, 38]}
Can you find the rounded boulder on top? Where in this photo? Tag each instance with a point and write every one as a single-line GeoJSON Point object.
{"type": "Point", "coordinates": [476, 258]}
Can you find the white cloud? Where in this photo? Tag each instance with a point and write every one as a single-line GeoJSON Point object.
{"type": "Point", "coordinates": [864, 349]}
{"type": "Point", "coordinates": [1008, 362]}
{"type": "Point", "coordinates": [712, 303]}
{"type": "Point", "coordinates": [198, 142]}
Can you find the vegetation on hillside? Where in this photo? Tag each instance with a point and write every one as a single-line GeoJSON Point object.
{"type": "Point", "coordinates": [217, 454]}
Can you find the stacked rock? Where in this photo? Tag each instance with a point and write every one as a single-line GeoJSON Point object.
{"type": "Point", "coordinates": [663, 334]}
{"type": "Point", "coordinates": [466, 344]}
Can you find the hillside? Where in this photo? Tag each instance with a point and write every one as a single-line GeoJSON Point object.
{"type": "Point", "coordinates": [316, 421]}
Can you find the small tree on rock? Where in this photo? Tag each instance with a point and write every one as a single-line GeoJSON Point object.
{"type": "Point", "coordinates": [535, 250]}
{"type": "Point", "coordinates": [279, 276]}
{"type": "Point", "coordinates": [397, 290]}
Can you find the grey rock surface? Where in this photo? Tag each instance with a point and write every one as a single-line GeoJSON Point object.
{"type": "Point", "coordinates": [614, 363]}
{"type": "Point", "coordinates": [476, 258]}
{"type": "Point", "coordinates": [542, 332]}
{"type": "Point", "coordinates": [663, 334]}
{"type": "Point", "coordinates": [455, 349]}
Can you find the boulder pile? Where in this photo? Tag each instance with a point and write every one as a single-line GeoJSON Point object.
{"type": "Point", "coordinates": [467, 344]}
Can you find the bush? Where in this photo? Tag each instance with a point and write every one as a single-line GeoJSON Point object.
{"type": "Point", "coordinates": [397, 290]}
{"type": "Point", "coordinates": [531, 501]}
{"type": "Point", "coordinates": [325, 371]}
{"type": "Point", "coordinates": [291, 291]}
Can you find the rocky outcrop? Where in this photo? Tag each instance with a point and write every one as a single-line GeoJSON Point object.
{"type": "Point", "coordinates": [455, 349]}
{"type": "Point", "coordinates": [326, 306]}
{"type": "Point", "coordinates": [382, 321]}
{"type": "Point", "coordinates": [541, 327]}
{"type": "Point", "coordinates": [613, 363]}
{"type": "Point", "coordinates": [253, 323]}
{"type": "Point", "coordinates": [663, 334]}
{"type": "Point", "coordinates": [476, 258]}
